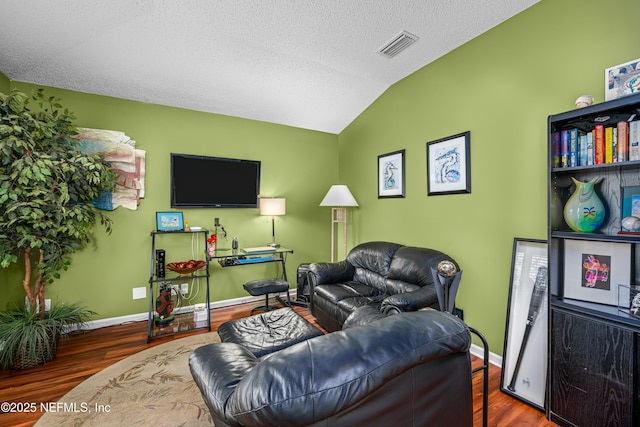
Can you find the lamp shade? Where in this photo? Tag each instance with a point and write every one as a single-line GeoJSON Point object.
{"type": "Point", "coordinates": [339, 195]}
{"type": "Point", "coordinates": [273, 207]}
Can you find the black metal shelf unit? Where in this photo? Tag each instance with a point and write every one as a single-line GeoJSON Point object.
{"type": "Point", "coordinates": [594, 347]}
{"type": "Point", "coordinates": [183, 321]}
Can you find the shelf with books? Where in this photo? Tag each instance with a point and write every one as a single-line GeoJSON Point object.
{"type": "Point", "coordinates": [591, 274]}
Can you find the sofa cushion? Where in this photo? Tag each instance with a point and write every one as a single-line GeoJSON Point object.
{"type": "Point", "coordinates": [339, 291]}
{"type": "Point", "coordinates": [373, 256]}
{"type": "Point", "coordinates": [413, 265]}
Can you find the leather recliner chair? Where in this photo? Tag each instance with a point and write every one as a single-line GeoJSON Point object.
{"type": "Point", "coordinates": [408, 369]}
{"type": "Point", "coordinates": [388, 276]}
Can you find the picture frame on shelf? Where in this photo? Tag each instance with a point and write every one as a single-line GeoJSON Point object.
{"type": "Point", "coordinates": [169, 221]}
{"type": "Point", "coordinates": [629, 300]}
{"type": "Point", "coordinates": [622, 80]}
{"type": "Point", "coordinates": [391, 175]}
{"type": "Point", "coordinates": [630, 208]}
{"type": "Point", "coordinates": [449, 165]}
{"type": "Point", "coordinates": [524, 364]}
{"type": "Point", "coordinates": [593, 270]}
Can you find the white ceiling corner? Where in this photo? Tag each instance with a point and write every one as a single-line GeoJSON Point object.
{"type": "Point", "coordinates": [308, 64]}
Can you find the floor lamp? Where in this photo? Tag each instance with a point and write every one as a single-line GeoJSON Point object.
{"type": "Point", "coordinates": [339, 198]}
{"type": "Point", "coordinates": [273, 207]}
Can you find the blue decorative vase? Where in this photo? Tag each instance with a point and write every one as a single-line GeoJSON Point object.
{"type": "Point", "coordinates": [584, 211]}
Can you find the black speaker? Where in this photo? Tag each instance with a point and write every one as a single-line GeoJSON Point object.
{"type": "Point", "coordinates": [160, 260]}
{"type": "Point", "coordinates": [304, 287]}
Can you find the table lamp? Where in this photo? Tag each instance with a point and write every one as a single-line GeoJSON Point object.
{"type": "Point", "coordinates": [339, 197]}
{"type": "Point", "coordinates": [273, 207]}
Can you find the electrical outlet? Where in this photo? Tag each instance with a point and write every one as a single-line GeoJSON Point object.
{"type": "Point", "coordinates": [47, 305]}
{"type": "Point", "coordinates": [184, 288]}
{"type": "Point", "coordinates": [139, 293]}
{"type": "Point", "coordinates": [175, 289]}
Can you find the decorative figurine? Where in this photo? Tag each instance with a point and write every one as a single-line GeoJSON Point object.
{"type": "Point", "coordinates": [584, 101]}
{"type": "Point", "coordinates": [446, 279]}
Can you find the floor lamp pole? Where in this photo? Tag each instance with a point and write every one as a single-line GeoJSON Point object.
{"type": "Point", "coordinates": [338, 216]}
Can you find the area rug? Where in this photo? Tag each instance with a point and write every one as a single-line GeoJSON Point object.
{"type": "Point", "coordinates": [151, 388]}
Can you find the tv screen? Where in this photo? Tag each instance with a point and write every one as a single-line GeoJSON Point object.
{"type": "Point", "coordinates": [214, 182]}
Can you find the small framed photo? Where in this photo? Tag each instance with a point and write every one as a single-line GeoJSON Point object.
{"type": "Point", "coordinates": [448, 165]}
{"type": "Point", "coordinates": [630, 207]}
{"type": "Point", "coordinates": [629, 300]}
{"type": "Point", "coordinates": [391, 175]}
{"type": "Point", "coordinates": [622, 80]}
{"type": "Point", "coordinates": [169, 221]}
{"type": "Point", "coordinates": [594, 270]}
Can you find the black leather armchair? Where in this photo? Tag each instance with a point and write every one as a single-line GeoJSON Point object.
{"type": "Point", "coordinates": [409, 369]}
{"type": "Point", "coordinates": [389, 276]}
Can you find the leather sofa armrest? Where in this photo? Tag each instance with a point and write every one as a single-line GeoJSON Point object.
{"type": "Point", "coordinates": [410, 301]}
{"type": "Point", "coordinates": [217, 369]}
{"type": "Point", "coordinates": [330, 272]}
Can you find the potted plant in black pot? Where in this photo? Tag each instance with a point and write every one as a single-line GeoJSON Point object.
{"type": "Point", "coordinates": [46, 214]}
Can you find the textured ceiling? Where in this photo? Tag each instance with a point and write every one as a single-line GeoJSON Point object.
{"type": "Point", "coordinates": [309, 64]}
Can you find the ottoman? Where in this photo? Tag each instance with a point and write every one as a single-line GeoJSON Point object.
{"type": "Point", "coordinates": [268, 332]}
{"type": "Point", "coordinates": [266, 287]}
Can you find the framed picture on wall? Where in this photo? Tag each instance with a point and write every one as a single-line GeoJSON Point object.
{"type": "Point", "coordinates": [524, 361]}
{"type": "Point", "coordinates": [391, 174]}
{"type": "Point", "coordinates": [448, 165]}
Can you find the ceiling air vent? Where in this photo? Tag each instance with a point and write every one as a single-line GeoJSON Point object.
{"type": "Point", "coordinates": [398, 44]}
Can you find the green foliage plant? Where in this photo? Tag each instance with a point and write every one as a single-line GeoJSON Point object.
{"type": "Point", "coordinates": [46, 190]}
{"type": "Point", "coordinates": [27, 341]}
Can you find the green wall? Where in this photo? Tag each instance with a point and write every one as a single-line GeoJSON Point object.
{"type": "Point", "coordinates": [297, 164]}
{"type": "Point", "coordinates": [500, 86]}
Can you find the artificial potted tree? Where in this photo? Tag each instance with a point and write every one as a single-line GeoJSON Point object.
{"type": "Point", "coordinates": [47, 187]}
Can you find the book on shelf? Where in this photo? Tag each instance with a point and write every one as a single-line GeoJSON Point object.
{"type": "Point", "coordinates": [583, 150]}
{"type": "Point", "coordinates": [608, 145]}
{"type": "Point", "coordinates": [634, 140]}
{"type": "Point", "coordinates": [555, 145]}
{"type": "Point", "coordinates": [598, 142]}
{"type": "Point", "coordinates": [623, 141]}
{"type": "Point", "coordinates": [564, 148]}
{"type": "Point", "coordinates": [573, 147]}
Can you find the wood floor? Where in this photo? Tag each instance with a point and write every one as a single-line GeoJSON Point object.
{"type": "Point", "coordinates": [89, 352]}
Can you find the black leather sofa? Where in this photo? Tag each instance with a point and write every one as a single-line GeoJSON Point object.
{"type": "Point", "coordinates": [409, 369]}
{"type": "Point", "coordinates": [388, 276]}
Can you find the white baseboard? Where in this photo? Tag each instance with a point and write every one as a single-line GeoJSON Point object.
{"type": "Point", "coordinates": [476, 350]}
{"type": "Point", "coordinates": [139, 317]}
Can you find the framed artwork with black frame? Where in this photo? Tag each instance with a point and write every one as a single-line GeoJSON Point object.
{"type": "Point", "coordinates": [391, 175]}
{"type": "Point", "coordinates": [524, 361]}
{"type": "Point", "coordinates": [169, 221]}
{"type": "Point", "coordinates": [449, 165]}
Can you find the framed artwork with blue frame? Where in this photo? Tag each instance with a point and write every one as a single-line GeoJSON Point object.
{"type": "Point", "coordinates": [391, 175]}
{"type": "Point", "coordinates": [169, 221]}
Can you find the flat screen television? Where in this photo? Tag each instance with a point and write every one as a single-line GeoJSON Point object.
{"type": "Point", "coordinates": [214, 182]}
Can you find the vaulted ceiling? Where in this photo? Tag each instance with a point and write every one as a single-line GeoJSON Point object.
{"type": "Point", "coordinates": [309, 64]}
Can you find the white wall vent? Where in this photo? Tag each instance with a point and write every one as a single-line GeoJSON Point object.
{"type": "Point", "coordinates": [398, 44]}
